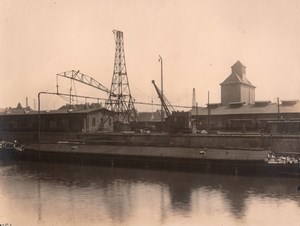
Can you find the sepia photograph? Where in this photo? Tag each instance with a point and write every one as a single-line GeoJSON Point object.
{"type": "Point", "coordinates": [149, 112]}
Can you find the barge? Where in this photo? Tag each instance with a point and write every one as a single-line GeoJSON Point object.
{"type": "Point", "coordinates": [208, 160]}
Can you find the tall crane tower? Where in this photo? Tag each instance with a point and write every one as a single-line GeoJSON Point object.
{"type": "Point", "coordinates": [120, 100]}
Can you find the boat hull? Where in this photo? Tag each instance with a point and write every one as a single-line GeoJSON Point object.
{"type": "Point", "coordinates": [178, 159]}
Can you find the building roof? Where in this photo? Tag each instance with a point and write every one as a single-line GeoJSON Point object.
{"type": "Point", "coordinates": [78, 107]}
{"type": "Point", "coordinates": [233, 78]}
{"type": "Point", "coordinates": [17, 110]}
{"type": "Point", "coordinates": [238, 64]}
{"type": "Point", "coordinates": [59, 111]}
{"type": "Point", "coordinates": [76, 111]}
{"type": "Point", "coordinates": [271, 108]}
{"type": "Point", "coordinates": [237, 76]}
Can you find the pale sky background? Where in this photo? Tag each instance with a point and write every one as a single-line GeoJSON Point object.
{"type": "Point", "coordinates": [199, 41]}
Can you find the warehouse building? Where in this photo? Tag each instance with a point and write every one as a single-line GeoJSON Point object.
{"type": "Point", "coordinates": [239, 111]}
{"type": "Point", "coordinates": [69, 118]}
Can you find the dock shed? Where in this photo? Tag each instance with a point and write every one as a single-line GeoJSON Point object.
{"type": "Point", "coordinates": [66, 119]}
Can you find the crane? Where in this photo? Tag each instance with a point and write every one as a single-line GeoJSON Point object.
{"type": "Point", "coordinates": [85, 79]}
{"type": "Point", "coordinates": [164, 101]}
{"type": "Point", "coordinates": [120, 100]}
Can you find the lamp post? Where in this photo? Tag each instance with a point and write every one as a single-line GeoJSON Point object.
{"type": "Point", "coordinates": [278, 109]}
{"type": "Point", "coordinates": [162, 86]}
{"type": "Point", "coordinates": [208, 113]}
{"type": "Point", "coordinates": [39, 123]}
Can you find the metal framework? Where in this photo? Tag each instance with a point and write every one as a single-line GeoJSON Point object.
{"type": "Point", "coordinates": [85, 79]}
{"type": "Point", "coordinates": [120, 100]}
{"type": "Point", "coordinates": [164, 101]}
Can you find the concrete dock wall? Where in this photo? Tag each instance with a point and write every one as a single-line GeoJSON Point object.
{"type": "Point", "coordinates": [285, 144]}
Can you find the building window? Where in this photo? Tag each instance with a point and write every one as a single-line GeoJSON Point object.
{"type": "Point", "coordinates": [94, 121]}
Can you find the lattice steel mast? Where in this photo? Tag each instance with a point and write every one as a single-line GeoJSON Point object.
{"type": "Point", "coordinates": [120, 100]}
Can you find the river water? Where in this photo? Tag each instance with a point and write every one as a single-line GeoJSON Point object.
{"type": "Point", "coordinates": [62, 194]}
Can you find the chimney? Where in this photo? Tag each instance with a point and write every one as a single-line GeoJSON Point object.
{"type": "Point", "coordinates": [194, 99]}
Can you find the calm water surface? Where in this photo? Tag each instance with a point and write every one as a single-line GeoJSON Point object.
{"type": "Point", "coordinates": [57, 194]}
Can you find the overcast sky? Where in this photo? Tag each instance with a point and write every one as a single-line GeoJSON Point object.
{"type": "Point", "coordinates": [199, 41]}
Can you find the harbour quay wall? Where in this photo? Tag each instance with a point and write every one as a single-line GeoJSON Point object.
{"type": "Point", "coordinates": [285, 144]}
{"type": "Point", "coordinates": [278, 143]}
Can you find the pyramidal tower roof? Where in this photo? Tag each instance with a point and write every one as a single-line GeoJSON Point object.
{"type": "Point", "coordinates": [238, 75]}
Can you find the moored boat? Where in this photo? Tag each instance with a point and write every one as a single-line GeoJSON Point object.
{"type": "Point", "coordinates": [208, 160]}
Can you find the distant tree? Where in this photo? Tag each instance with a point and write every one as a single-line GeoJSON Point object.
{"type": "Point", "coordinates": [19, 106]}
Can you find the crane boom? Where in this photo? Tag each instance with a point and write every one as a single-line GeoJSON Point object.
{"type": "Point", "coordinates": [164, 101]}
{"type": "Point", "coordinates": [85, 79]}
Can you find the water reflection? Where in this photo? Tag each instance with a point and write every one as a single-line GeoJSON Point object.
{"type": "Point", "coordinates": [88, 194]}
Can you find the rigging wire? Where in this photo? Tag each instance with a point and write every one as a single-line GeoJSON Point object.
{"type": "Point", "coordinates": [65, 97]}
{"type": "Point", "coordinates": [71, 96]}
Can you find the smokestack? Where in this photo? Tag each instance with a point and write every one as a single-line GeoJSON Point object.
{"type": "Point", "coordinates": [194, 99]}
{"type": "Point", "coordinates": [26, 102]}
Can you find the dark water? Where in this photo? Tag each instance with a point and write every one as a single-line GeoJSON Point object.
{"type": "Point", "coordinates": [56, 194]}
